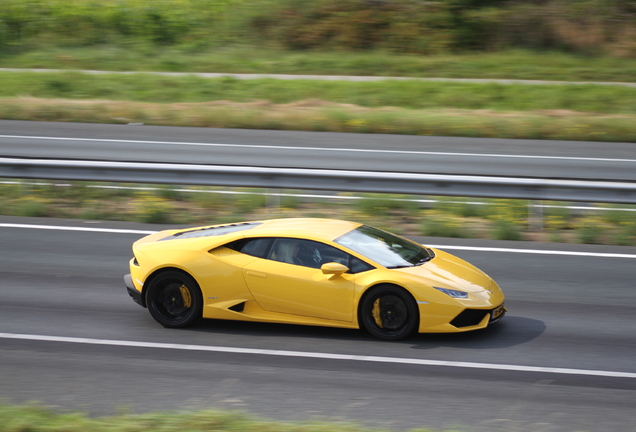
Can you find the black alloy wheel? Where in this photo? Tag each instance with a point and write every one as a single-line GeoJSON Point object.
{"type": "Point", "coordinates": [388, 312]}
{"type": "Point", "coordinates": [174, 299]}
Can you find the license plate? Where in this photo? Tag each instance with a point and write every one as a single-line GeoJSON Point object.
{"type": "Point", "coordinates": [496, 313]}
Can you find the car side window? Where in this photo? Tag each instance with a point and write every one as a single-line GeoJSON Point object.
{"type": "Point", "coordinates": [356, 265]}
{"type": "Point", "coordinates": [308, 253]}
{"type": "Point", "coordinates": [252, 246]}
{"type": "Point", "coordinates": [285, 250]}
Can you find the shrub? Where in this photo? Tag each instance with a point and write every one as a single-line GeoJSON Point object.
{"type": "Point", "coordinates": [154, 210]}
{"type": "Point", "coordinates": [208, 200]}
{"type": "Point", "coordinates": [506, 230]}
{"type": "Point", "coordinates": [557, 216]}
{"type": "Point", "coordinates": [625, 236]}
{"type": "Point", "coordinates": [31, 206]}
{"type": "Point", "coordinates": [93, 210]}
{"type": "Point", "coordinates": [589, 230]}
{"type": "Point", "coordinates": [10, 190]}
{"type": "Point", "coordinates": [169, 193]}
{"type": "Point", "coordinates": [404, 26]}
{"type": "Point", "coordinates": [249, 202]}
{"type": "Point", "coordinates": [289, 201]}
{"type": "Point", "coordinates": [436, 225]}
{"type": "Point", "coordinates": [621, 216]}
{"type": "Point", "coordinates": [513, 212]}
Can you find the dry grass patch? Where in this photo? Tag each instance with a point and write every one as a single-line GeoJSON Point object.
{"type": "Point", "coordinates": [319, 115]}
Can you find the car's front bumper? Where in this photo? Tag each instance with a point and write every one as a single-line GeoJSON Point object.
{"type": "Point", "coordinates": [132, 291]}
{"type": "Point", "coordinates": [477, 317]}
{"type": "Point", "coordinates": [451, 319]}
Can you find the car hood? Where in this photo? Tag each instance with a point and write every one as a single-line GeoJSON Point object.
{"type": "Point", "coordinates": [449, 271]}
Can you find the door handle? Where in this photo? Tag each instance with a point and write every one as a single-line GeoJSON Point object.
{"type": "Point", "coordinates": [256, 274]}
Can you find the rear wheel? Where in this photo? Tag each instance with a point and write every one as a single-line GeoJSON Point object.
{"type": "Point", "coordinates": [174, 299]}
{"type": "Point", "coordinates": [388, 312]}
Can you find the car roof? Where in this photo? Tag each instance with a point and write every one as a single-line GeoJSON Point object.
{"type": "Point", "coordinates": [311, 228]}
{"type": "Point", "coordinates": [325, 230]}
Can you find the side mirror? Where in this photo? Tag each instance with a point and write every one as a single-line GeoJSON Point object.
{"type": "Point", "coordinates": [334, 268]}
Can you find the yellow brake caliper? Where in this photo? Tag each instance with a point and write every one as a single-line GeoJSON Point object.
{"type": "Point", "coordinates": [376, 313]}
{"type": "Point", "coordinates": [185, 295]}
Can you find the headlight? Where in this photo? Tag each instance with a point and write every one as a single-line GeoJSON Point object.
{"type": "Point", "coordinates": [453, 293]}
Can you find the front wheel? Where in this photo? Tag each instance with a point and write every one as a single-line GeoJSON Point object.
{"type": "Point", "coordinates": [174, 299]}
{"type": "Point", "coordinates": [388, 312]}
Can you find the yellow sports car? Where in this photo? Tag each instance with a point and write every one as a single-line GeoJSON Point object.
{"type": "Point", "coordinates": [318, 272]}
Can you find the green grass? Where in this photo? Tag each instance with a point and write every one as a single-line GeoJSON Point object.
{"type": "Point", "coordinates": [443, 225]}
{"type": "Point", "coordinates": [568, 112]}
{"type": "Point", "coordinates": [504, 230]}
{"type": "Point", "coordinates": [383, 204]}
{"type": "Point", "coordinates": [403, 94]}
{"type": "Point", "coordinates": [459, 207]}
{"type": "Point", "coordinates": [315, 115]}
{"type": "Point", "coordinates": [510, 64]}
{"type": "Point", "coordinates": [38, 419]}
{"type": "Point", "coordinates": [420, 28]}
{"type": "Point", "coordinates": [501, 219]}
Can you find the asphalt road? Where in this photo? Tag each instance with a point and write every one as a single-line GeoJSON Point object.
{"type": "Point", "coordinates": [574, 312]}
{"type": "Point", "coordinates": [284, 149]}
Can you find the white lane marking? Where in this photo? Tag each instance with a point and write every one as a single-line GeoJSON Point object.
{"type": "Point", "coordinates": [466, 248]}
{"type": "Point", "coordinates": [70, 228]}
{"type": "Point", "coordinates": [317, 355]}
{"type": "Point", "coordinates": [253, 146]}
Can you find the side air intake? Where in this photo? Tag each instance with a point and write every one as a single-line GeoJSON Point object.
{"type": "Point", "coordinates": [238, 307]}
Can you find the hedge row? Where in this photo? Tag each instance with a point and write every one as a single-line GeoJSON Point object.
{"type": "Point", "coordinates": [400, 26]}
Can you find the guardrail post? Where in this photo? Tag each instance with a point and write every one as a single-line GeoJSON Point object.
{"type": "Point", "coordinates": [273, 200]}
{"type": "Point", "coordinates": [535, 215]}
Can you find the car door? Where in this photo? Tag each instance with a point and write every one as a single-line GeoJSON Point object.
{"type": "Point", "coordinates": [289, 280]}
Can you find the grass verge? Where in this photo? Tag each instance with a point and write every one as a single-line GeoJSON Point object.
{"type": "Point", "coordinates": [387, 93]}
{"type": "Point", "coordinates": [510, 64]}
{"type": "Point", "coordinates": [39, 419]}
{"type": "Point", "coordinates": [316, 115]}
{"type": "Point", "coordinates": [570, 112]}
{"type": "Point", "coordinates": [406, 215]}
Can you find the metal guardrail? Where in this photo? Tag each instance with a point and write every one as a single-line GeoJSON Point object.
{"type": "Point", "coordinates": [319, 179]}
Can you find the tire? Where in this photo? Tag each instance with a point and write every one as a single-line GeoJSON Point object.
{"type": "Point", "coordinates": [174, 299]}
{"type": "Point", "coordinates": [388, 312]}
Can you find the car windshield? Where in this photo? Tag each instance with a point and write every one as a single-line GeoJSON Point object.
{"type": "Point", "coordinates": [385, 248]}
